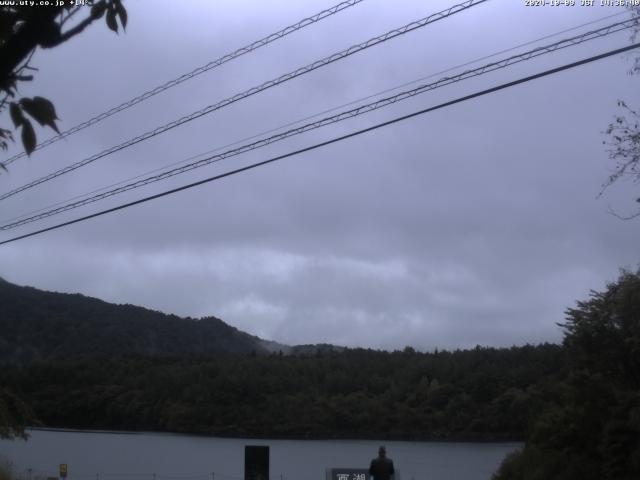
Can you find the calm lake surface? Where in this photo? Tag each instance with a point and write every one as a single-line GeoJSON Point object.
{"type": "Point", "coordinates": [156, 456]}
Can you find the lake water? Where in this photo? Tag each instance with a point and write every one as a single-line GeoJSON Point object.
{"type": "Point", "coordinates": [156, 456]}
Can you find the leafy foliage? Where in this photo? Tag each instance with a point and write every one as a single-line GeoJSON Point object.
{"type": "Point", "coordinates": [624, 148]}
{"type": "Point", "coordinates": [14, 415]}
{"type": "Point", "coordinates": [23, 28]}
{"type": "Point", "coordinates": [624, 135]}
{"type": "Point", "coordinates": [6, 472]}
{"type": "Point", "coordinates": [591, 430]}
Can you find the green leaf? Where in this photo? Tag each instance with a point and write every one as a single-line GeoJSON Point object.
{"type": "Point", "coordinates": [4, 133]}
{"type": "Point", "coordinates": [98, 10]}
{"type": "Point", "coordinates": [42, 110]}
{"type": "Point", "coordinates": [111, 20]}
{"type": "Point", "coordinates": [28, 136]}
{"type": "Point", "coordinates": [122, 13]}
{"type": "Point", "coordinates": [47, 106]}
{"type": "Point", "coordinates": [16, 114]}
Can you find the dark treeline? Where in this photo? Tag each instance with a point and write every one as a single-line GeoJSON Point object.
{"type": "Point", "coordinates": [590, 429]}
{"type": "Point", "coordinates": [479, 394]}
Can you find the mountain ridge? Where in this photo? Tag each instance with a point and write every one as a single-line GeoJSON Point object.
{"type": "Point", "coordinates": [44, 325]}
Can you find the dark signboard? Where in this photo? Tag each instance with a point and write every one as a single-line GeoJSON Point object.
{"type": "Point", "coordinates": [256, 462]}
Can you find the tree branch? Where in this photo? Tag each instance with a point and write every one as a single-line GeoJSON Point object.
{"type": "Point", "coordinates": [72, 32]}
{"type": "Point", "coordinates": [36, 30]}
{"type": "Point", "coordinates": [71, 14]}
{"type": "Point", "coordinates": [621, 217]}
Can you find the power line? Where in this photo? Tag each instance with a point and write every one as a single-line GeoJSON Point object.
{"type": "Point", "coordinates": [309, 117]}
{"type": "Point", "coordinates": [254, 90]}
{"type": "Point", "coordinates": [333, 140]}
{"type": "Point", "coordinates": [506, 62]}
{"type": "Point", "coordinates": [305, 22]}
{"type": "Point", "coordinates": [334, 119]}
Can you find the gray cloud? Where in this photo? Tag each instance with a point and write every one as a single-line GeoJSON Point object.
{"type": "Point", "coordinates": [476, 224]}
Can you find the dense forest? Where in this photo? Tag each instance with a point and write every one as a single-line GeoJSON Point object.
{"type": "Point", "coordinates": [590, 430]}
{"type": "Point", "coordinates": [483, 393]}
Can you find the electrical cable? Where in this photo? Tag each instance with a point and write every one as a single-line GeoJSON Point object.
{"type": "Point", "coordinates": [295, 122]}
{"type": "Point", "coordinates": [305, 22]}
{"type": "Point", "coordinates": [254, 90]}
{"type": "Point", "coordinates": [536, 52]}
{"type": "Point", "coordinates": [331, 141]}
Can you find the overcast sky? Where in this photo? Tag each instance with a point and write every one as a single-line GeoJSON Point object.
{"type": "Point", "coordinates": [474, 224]}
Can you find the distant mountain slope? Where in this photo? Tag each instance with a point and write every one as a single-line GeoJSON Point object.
{"type": "Point", "coordinates": [40, 325]}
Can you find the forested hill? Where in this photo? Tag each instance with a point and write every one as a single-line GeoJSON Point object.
{"type": "Point", "coordinates": [479, 394]}
{"type": "Point", "coordinates": [76, 361]}
{"type": "Point", "coordinates": [39, 325]}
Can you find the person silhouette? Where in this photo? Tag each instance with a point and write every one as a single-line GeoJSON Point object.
{"type": "Point", "coordinates": [381, 467]}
